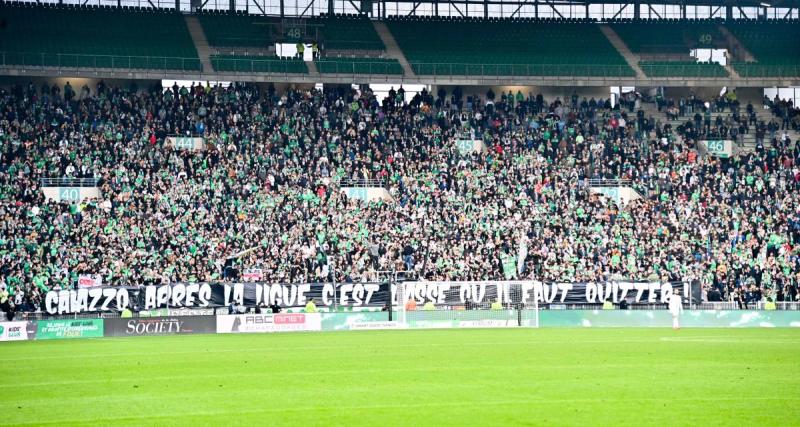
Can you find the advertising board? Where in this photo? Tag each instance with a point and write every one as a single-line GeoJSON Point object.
{"type": "Point", "coordinates": [281, 322]}
{"type": "Point", "coordinates": [69, 328]}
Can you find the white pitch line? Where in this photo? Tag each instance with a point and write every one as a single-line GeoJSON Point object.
{"type": "Point", "coordinates": [735, 340]}
{"type": "Point", "coordinates": [348, 345]}
{"type": "Point", "coordinates": [534, 341]}
{"type": "Point", "coordinates": [319, 408]}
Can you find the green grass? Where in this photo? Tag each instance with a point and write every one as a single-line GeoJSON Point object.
{"type": "Point", "coordinates": [408, 378]}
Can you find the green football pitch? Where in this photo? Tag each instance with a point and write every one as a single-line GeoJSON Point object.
{"type": "Point", "coordinates": [475, 377]}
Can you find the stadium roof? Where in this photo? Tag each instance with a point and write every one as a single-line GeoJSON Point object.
{"type": "Point", "coordinates": [349, 4]}
{"type": "Point", "coordinates": [733, 3]}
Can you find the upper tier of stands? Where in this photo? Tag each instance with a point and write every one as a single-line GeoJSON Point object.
{"type": "Point", "coordinates": [775, 46]}
{"type": "Point", "coordinates": [350, 33]}
{"type": "Point", "coordinates": [507, 48]}
{"type": "Point", "coordinates": [668, 36]}
{"type": "Point", "coordinates": [71, 36]}
{"type": "Point", "coordinates": [238, 30]}
{"type": "Point", "coordinates": [141, 38]}
{"type": "Point", "coordinates": [664, 46]}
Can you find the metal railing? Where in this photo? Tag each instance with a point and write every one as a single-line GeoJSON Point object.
{"type": "Point", "coordinates": [68, 182]}
{"type": "Point", "coordinates": [362, 182]}
{"type": "Point", "coordinates": [724, 305]}
{"type": "Point", "coordinates": [759, 305]}
{"type": "Point", "coordinates": [69, 60]}
{"type": "Point", "coordinates": [356, 66]}
{"type": "Point", "coordinates": [336, 52]}
{"type": "Point", "coordinates": [272, 65]}
{"type": "Point", "coordinates": [665, 57]}
{"type": "Point", "coordinates": [518, 70]}
{"type": "Point", "coordinates": [361, 67]}
{"type": "Point", "coordinates": [659, 70]}
{"type": "Point", "coordinates": [758, 70]}
{"type": "Point", "coordinates": [678, 69]}
{"type": "Point", "coordinates": [40, 315]}
{"type": "Point", "coordinates": [602, 182]}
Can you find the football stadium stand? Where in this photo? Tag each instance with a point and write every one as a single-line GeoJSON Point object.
{"type": "Point", "coordinates": [265, 186]}
{"type": "Point", "coordinates": [662, 41]}
{"type": "Point", "coordinates": [237, 30]}
{"type": "Point", "coordinates": [61, 36]}
{"type": "Point", "coordinates": [138, 183]}
{"type": "Point", "coordinates": [339, 36]}
{"type": "Point", "coordinates": [514, 48]}
{"type": "Point", "coordinates": [559, 50]}
{"type": "Point", "coordinates": [241, 30]}
{"type": "Point", "coordinates": [774, 44]}
{"type": "Point", "coordinates": [658, 37]}
{"type": "Point", "coordinates": [547, 178]}
{"type": "Point", "coordinates": [349, 33]}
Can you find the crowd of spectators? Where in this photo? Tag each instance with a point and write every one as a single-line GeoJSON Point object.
{"type": "Point", "coordinates": [726, 118]}
{"type": "Point", "coordinates": [264, 196]}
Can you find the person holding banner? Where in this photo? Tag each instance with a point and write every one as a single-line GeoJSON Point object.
{"type": "Point", "coordinates": [675, 309]}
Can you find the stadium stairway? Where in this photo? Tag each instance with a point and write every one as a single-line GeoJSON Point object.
{"type": "Point", "coordinates": [622, 48]}
{"type": "Point", "coordinates": [392, 49]}
{"type": "Point", "coordinates": [200, 41]}
{"type": "Point", "coordinates": [312, 68]}
{"type": "Point", "coordinates": [738, 52]}
{"type": "Point", "coordinates": [733, 73]}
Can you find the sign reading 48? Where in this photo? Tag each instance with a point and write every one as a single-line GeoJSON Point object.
{"type": "Point", "coordinates": [294, 33]}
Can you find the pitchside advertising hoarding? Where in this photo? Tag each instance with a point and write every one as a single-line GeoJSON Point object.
{"type": "Point", "coordinates": [17, 331]}
{"type": "Point", "coordinates": [281, 322]}
{"type": "Point", "coordinates": [355, 295]}
{"type": "Point", "coordinates": [69, 328]}
{"type": "Point", "coordinates": [122, 327]}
